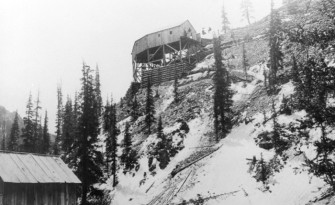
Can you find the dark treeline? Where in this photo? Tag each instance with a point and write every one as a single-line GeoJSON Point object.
{"type": "Point", "coordinates": [34, 137]}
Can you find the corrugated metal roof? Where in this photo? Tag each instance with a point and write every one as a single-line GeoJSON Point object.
{"type": "Point", "coordinates": [31, 168]}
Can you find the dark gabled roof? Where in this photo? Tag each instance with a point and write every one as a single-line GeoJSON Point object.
{"type": "Point", "coordinates": [32, 168]}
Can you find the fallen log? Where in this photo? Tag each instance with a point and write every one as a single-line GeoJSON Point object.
{"type": "Point", "coordinates": [174, 171]}
{"type": "Point", "coordinates": [207, 198]}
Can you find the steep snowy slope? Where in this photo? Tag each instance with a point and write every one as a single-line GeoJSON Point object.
{"type": "Point", "coordinates": [205, 172]}
{"type": "Point", "coordinates": [243, 168]}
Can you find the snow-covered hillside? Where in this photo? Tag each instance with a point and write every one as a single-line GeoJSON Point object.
{"type": "Point", "coordinates": [205, 172]}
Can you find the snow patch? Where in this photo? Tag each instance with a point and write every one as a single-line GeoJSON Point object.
{"type": "Point", "coordinates": [207, 63]}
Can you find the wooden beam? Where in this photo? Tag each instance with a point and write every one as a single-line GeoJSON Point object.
{"type": "Point", "coordinates": [171, 47]}
{"type": "Point", "coordinates": [185, 45]}
{"type": "Point", "coordinates": [164, 57]}
{"type": "Point", "coordinates": [134, 70]}
{"type": "Point", "coordinates": [188, 53]}
{"type": "Point", "coordinates": [180, 49]}
{"type": "Point", "coordinates": [67, 194]}
{"type": "Point", "coordinates": [148, 55]}
{"type": "Point", "coordinates": [154, 61]}
{"type": "Point", "coordinates": [154, 53]}
{"type": "Point", "coordinates": [171, 61]}
{"type": "Point", "coordinates": [196, 53]}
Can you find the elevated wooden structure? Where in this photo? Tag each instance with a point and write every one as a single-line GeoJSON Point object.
{"type": "Point", "coordinates": [171, 48]}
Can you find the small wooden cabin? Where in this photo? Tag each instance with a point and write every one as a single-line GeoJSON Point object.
{"type": "Point", "coordinates": [30, 179]}
{"type": "Point", "coordinates": [171, 46]}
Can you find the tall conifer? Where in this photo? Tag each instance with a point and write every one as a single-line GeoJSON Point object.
{"type": "Point", "coordinates": [37, 126]}
{"type": "Point", "coordinates": [4, 133]}
{"type": "Point", "coordinates": [134, 110]}
{"type": "Point", "coordinates": [46, 135]}
{"type": "Point", "coordinates": [28, 129]}
{"type": "Point", "coordinates": [59, 122]}
{"type": "Point", "coordinates": [128, 157]}
{"type": "Point", "coordinates": [149, 108]}
{"type": "Point", "coordinates": [225, 21]}
{"type": "Point", "coordinates": [88, 157]}
{"type": "Point", "coordinates": [162, 146]}
{"type": "Point", "coordinates": [295, 71]}
{"type": "Point", "coordinates": [97, 90]}
{"type": "Point", "coordinates": [175, 89]}
{"type": "Point", "coordinates": [275, 39]}
{"type": "Point", "coordinates": [245, 63]}
{"type": "Point", "coordinates": [13, 144]}
{"type": "Point", "coordinates": [247, 9]}
{"type": "Point", "coordinates": [68, 130]}
{"type": "Point", "coordinates": [222, 95]}
{"type": "Point", "coordinates": [111, 131]}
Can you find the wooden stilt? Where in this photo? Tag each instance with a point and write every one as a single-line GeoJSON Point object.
{"type": "Point", "coordinates": [148, 55]}
{"type": "Point", "coordinates": [188, 53]}
{"type": "Point", "coordinates": [164, 57]}
{"type": "Point", "coordinates": [180, 57]}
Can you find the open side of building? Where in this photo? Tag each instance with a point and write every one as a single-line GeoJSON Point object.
{"type": "Point", "coordinates": [29, 179]}
{"type": "Point", "coordinates": [177, 45]}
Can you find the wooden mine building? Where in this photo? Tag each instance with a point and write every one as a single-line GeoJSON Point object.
{"type": "Point", "coordinates": [163, 54]}
{"type": "Point", "coordinates": [29, 179]}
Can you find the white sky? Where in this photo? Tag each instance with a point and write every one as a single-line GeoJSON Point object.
{"type": "Point", "coordinates": [44, 42]}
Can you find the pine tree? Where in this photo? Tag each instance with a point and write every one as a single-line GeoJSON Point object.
{"type": "Point", "coordinates": [134, 110]}
{"type": "Point", "coordinates": [72, 153]}
{"type": "Point", "coordinates": [121, 103]}
{"type": "Point", "coordinates": [323, 164]}
{"type": "Point", "coordinates": [76, 113]}
{"type": "Point", "coordinates": [160, 133]}
{"type": "Point", "coordinates": [46, 135]}
{"type": "Point", "coordinates": [28, 129]}
{"type": "Point", "coordinates": [175, 89]}
{"type": "Point", "coordinates": [68, 130]}
{"type": "Point", "coordinates": [128, 157]}
{"type": "Point", "coordinates": [131, 92]}
{"type": "Point", "coordinates": [39, 143]}
{"type": "Point", "coordinates": [225, 21]}
{"type": "Point", "coordinates": [247, 9]}
{"type": "Point", "coordinates": [59, 122]}
{"type": "Point", "coordinates": [13, 144]}
{"type": "Point", "coordinates": [149, 108]}
{"type": "Point", "coordinates": [37, 127]}
{"type": "Point", "coordinates": [106, 123]}
{"type": "Point", "coordinates": [295, 71]}
{"type": "Point", "coordinates": [222, 95]}
{"type": "Point", "coordinates": [162, 146]}
{"type": "Point", "coordinates": [113, 145]}
{"type": "Point", "coordinates": [111, 131]}
{"type": "Point", "coordinates": [98, 91]}
{"type": "Point", "coordinates": [245, 63]}
{"type": "Point", "coordinates": [275, 39]}
{"type": "Point", "coordinates": [262, 170]}
{"type": "Point", "coordinates": [276, 129]}
{"type": "Point", "coordinates": [106, 117]}
{"type": "Point", "coordinates": [157, 94]}
{"type": "Point", "coordinates": [88, 156]}
{"type": "Point", "coordinates": [4, 131]}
